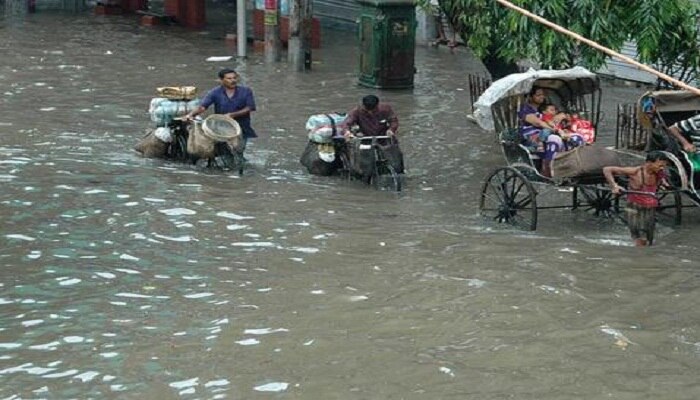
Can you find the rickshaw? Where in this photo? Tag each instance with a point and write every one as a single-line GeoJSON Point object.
{"type": "Point", "coordinates": [509, 194]}
{"type": "Point", "coordinates": [642, 127]}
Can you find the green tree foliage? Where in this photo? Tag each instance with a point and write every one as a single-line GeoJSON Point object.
{"type": "Point", "coordinates": [666, 31]}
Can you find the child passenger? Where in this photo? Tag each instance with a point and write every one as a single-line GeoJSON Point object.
{"type": "Point", "coordinates": [561, 125]}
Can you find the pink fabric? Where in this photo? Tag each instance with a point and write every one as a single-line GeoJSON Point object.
{"type": "Point", "coordinates": [584, 128]}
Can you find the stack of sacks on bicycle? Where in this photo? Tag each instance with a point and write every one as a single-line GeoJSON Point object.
{"type": "Point", "coordinates": [319, 156]}
{"type": "Point", "coordinates": [163, 110]}
{"type": "Point", "coordinates": [173, 102]}
{"type": "Point", "coordinates": [323, 127]}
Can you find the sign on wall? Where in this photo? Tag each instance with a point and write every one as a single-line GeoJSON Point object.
{"type": "Point", "coordinates": [284, 5]}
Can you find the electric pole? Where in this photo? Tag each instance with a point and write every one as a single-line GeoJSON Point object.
{"type": "Point", "coordinates": [299, 54]}
{"type": "Point", "coordinates": [272, 31]}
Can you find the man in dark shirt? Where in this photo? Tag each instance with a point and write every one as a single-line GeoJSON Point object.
{"type": "Point", "coordinates": [237, 101]}
{"type": "Point", "coordinates": [373, 118]}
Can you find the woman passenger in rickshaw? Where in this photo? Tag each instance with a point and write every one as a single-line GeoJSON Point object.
{"type": "Point", "coordinates": [537, 133]}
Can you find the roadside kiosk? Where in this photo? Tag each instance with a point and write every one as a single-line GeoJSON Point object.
{"type": "Point", "coordinates": [387, 37]}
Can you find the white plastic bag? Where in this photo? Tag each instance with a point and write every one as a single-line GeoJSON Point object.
{"type": "Point", "coordinates": [163, 133]}
{"type": "Point", "coordinates": [326, 152]}
{"type": "Point", "coordinates": [323, 134]}
{"type": "Point", "coordinates": [319, 120]}
{"type": "Point", "coordinates": [163, 111]}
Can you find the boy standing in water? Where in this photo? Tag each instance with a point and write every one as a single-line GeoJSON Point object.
{"type": "Point", "coordinates": [642, 202]}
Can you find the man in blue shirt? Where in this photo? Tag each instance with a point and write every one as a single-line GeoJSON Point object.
{"type": "Point", "coordinates": [237, 101]}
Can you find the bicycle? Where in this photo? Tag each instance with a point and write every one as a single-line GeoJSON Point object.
{"type": "Point", "coordinates": [224, 157]}
{"type": "Point", "coordinates": [365, 157]}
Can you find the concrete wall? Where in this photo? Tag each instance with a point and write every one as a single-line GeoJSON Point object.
{"type": "Point", "coordinates": [66, 5]}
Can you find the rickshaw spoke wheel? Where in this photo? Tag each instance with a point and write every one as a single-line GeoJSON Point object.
{"type": "Point", "coordinates": [669, 210]}
{"type": "Point", "coordinates": [596, 201]}
{"type": "Point", "coordinates": [508, 197]}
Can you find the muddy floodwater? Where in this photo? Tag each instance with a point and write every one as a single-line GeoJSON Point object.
{"type": "Point", "coordinates": [122, 277]}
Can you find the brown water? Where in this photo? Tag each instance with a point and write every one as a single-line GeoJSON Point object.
{"type": "Point", "coordinates": [129, 278]}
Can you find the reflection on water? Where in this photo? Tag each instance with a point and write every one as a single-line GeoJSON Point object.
{"type": "Point", "coordinates": [154, 279]}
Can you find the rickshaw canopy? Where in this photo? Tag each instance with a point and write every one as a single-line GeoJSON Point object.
{"type": "Point", "coordinates": [566, 84]}
{"type": "Point", "coordinates": [672, 100]}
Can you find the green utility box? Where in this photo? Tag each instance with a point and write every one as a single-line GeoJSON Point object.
{"type": "Point", "coordinates": [387, 33]}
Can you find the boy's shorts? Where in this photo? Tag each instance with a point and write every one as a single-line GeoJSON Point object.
{"type": "Point", "coordinates": [542, 136]}
{"type": "Point", "coordinates": [641, 221]}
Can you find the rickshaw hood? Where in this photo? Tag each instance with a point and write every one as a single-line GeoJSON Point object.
{"type": "Point", "coordinates": [520, 84]}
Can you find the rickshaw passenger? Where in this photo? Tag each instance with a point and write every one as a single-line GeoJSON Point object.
{"type": "Point", "coordinates": [561, 122]}
{"type": "Point", "coordinates": [683, 131]}
{"type": "Point", "coordinates": [535, 131]}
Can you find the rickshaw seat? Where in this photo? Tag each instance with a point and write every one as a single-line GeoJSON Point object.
{"type": "Point", "coordinates": [514, 150]}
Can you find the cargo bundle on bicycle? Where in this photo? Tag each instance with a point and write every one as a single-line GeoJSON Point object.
{"type": "Point", "coordinates": [376, 160]}
{"type": "Point", "coordinates": [215, 141]}
{"type": "Point", "coordinates": [325, 137]}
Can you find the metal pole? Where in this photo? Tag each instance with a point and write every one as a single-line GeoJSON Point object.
{"type": "Point", "coordinates": [272, 31]}
{"type": "Point", "coordinates": [294, 52]}
{"type": "Point", "coordinates": [307, 14]}
{"type": "Point", "coordinates": [299, 55]}
{"type": "Point", "coordinates": [241, 34]}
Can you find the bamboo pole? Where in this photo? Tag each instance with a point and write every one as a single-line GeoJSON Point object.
{"type": "Point", "coordinates": [600, 47]}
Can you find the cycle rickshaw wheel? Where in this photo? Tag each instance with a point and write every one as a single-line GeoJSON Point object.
{"type": "Point", "coordinates": [592, 199]}
{"type": "Point", "coordinates": [508, 197]}
{"type": "Point", "coordinates": [386, 176]}
{"type": "Point", "coordinates": [670, 208]}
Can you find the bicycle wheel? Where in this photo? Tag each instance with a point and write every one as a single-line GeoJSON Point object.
{"type": "Point", "coordinates": [344, 169]}
{"type": "Point", "coordinates": [386, 177]}
{"type": "Point", "coordinates": [178, 148]}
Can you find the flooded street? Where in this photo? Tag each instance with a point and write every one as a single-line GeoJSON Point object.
{"type": "Point", "coordinates": [123, 277]}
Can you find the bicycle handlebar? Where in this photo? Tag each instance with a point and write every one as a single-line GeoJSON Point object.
{"type": "Point", "coordinates": [373, 138]}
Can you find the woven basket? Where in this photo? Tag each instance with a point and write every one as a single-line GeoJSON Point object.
{"type": "Point", "coordinates": [222, 128]}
